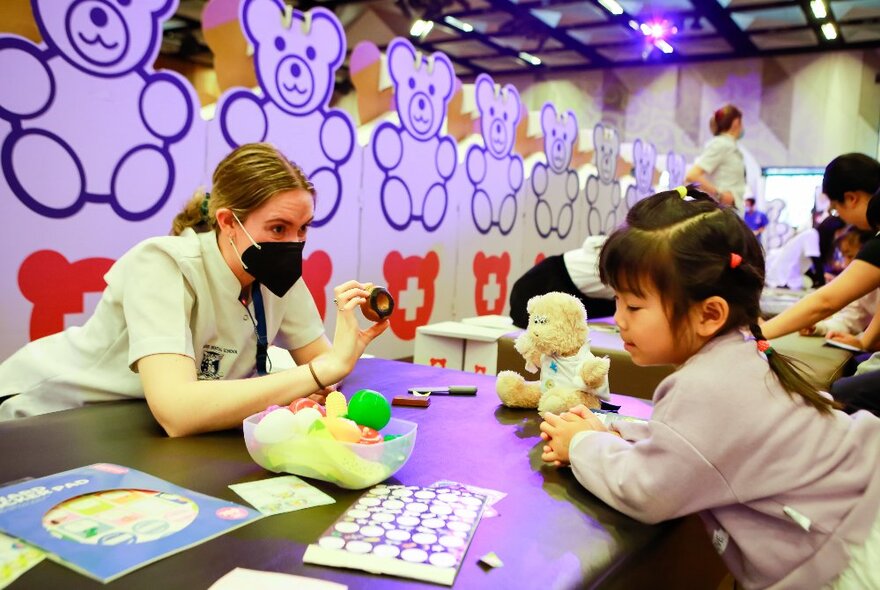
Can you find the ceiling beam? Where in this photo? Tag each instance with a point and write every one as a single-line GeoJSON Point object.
{"type": "Point", "coordinates": [816, 25]}
{"type": "Point", "coordinates": [573, 44]}
{"type": "Point", "coordinates": [723, 23]}
{"type": "Point", "coordinates": [680, 60]}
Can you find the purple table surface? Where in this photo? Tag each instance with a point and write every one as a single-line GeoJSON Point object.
{"type": "Point", "coordinates": [550, 533]}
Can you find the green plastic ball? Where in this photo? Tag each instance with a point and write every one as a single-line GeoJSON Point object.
{"type": "Point", "coordinates": [369, 408]}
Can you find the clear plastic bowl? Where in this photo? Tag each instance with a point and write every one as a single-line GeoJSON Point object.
{"type": "Point", "coordinates": [348, 465]}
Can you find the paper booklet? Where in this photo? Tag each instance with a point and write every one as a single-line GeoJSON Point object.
{"type": "Point", "coordinates": [844, 346]}
{"type": "Point", "coordinates": [408, 531]}
{"type": "Point", "coordinates": [106, 520]}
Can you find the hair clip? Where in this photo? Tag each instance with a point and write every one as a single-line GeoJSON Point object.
{"type": "Point", "coordinates": [682, 191]}
{"type": "Point", "coordinates": [764, 346]}
{"type": "Point", "coordinates": [204, 207]}
{"type": "Point", "coordinates": [735, 260]}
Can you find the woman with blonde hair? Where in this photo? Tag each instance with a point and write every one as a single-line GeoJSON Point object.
{"type": "Point", "coordinates": [186, 319]}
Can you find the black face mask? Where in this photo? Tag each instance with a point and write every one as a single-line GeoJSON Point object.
{"type": "Point", "coordinates": [277, 265]}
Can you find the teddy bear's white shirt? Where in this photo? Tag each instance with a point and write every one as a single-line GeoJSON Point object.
{"type": "Point", "coordinates": [565, 371]}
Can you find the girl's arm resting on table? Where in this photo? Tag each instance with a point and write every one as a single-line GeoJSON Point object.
{"type": "Point", "coordinates": [858, 279]}
{"type": "Point", "coordinates": [652, 480]}
{"type": "Point", "coordinates": [184, 405]}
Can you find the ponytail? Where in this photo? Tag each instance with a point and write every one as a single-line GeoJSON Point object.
{"type": "Point", "coordinates": [195, 214]}
{"type": "Point", "coordinates": [790, 376]}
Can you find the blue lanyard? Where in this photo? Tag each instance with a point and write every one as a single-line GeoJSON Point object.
{"type": "Point", "coordinates": [260, 329]}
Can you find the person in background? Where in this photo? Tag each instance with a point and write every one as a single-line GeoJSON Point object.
{"type": "Point", "coordinates": [850, 182]}
{"type": "Point", "coordinates": [830, 229]}
{"type": "Point", "coordinates": [575, 272]}
{"type": "Point", "coordinates": [795, 260]}
{"type": "Point", "coordinates": [720, 170]}
{"type": "Point", "coordinates": [755, 219]}
{"type": "Point", "coordinates": [849, 323]}
{"type": "Point", "coordinates": [186, 319]}
{"type": "Point", "coordinates": [787, 486]}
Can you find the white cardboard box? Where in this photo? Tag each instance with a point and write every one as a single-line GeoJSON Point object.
{"type": "Point", "coordinates": [491, 321]}
{"type": "Point", "coordinates": [458, 345]}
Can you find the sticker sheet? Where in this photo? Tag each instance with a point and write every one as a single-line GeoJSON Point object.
{"type": "Point", "coordinates": [281, 494]}
{"type": "Point", "coordinates": [16, 558]}
{"type": "Point", "coordinates": [408, 531]}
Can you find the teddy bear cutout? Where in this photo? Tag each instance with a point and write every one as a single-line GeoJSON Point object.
{"type": "Point", "coordinates": [644, 162]}
{"type": "Point", "coordinates": [296, 57]}
{"type": "Point", "coordinates": [415, 159]}
{"type": "Point", "coordinates": [557, 341]}
{"type": "Point", "coordinates": [117, 149]}
{"type": "Point", "coordinates": [494, 172]}
{"type": "Point", "coordinates": [602, 190]}
{"type": "Point", "coordinates": [555, 184]}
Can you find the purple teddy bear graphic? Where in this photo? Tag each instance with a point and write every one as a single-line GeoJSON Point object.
{"type": "Point", "coordinates": [644, 162]}
{"type": "Point", "coordinates": [603, 191]}
{"type": "Point", "coordinates": [416, 161]}
{"type": "Point", "coordinates": [554, 182]}
{"type": "Point", "coordinates": [91, 111]}
{"type": "Point", "coordinates": [296, 63]}
{"type": "Point", "coordinates": [675, 167]}
{"type": "Point", "coordinates": [495, 173]}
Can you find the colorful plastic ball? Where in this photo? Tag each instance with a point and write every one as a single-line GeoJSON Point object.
{"type": "Point", "coordinates": [369, 408]}
{"type": "Point", "coordinates": [388, 437]}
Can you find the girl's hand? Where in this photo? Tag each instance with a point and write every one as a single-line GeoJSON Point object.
{"type": "Point", "coordinates": [558, 431]}
{"type": "Point", "coordinates": [846, 339]}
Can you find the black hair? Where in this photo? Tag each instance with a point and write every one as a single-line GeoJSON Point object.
{"type": "Point", "coordinates": [681, 247]}
{"type": "Point", "coordinates": [854, 172]}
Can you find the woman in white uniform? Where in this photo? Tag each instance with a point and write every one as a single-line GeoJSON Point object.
{"type": "Point", "coordinates": [180, 319]}
{"type": "Point", "coordinates": [720, 170]}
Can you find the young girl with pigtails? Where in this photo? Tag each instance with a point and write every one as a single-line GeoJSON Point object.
{"type": "Point", "coordinates": [787, 485]}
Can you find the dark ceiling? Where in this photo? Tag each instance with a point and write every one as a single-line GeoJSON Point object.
{"type": "Point", "coordinates": [505, 37]}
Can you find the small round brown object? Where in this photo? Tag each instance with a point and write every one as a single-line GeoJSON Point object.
{"type": "Point", "coordinates": [379, 304]}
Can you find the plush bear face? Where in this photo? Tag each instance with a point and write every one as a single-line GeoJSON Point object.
{"type": "Point", "coordinates": [295, 67]}
{"type": "Point", "coordinates": [606, 142]}
{"type": "Point", "coordinates": [104, 37]}
{"type": "Point", "coordinates": [420, 90]}
{"type": "Point", "coordinates": [557, 323]}
{"type": "Point", "coordinates": [644, 161]}
{"type": "Point", "coordinates": [499, 115]}
{"type": "Point", "coordinates": [559, 137]}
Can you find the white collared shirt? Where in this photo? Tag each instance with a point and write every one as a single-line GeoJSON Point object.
{"type": "Point", "coordinates": [724, 163]}
{"type": "Point", "coordinates": [167, 295]}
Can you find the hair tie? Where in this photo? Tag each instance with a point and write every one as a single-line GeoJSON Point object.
{"type": "Point", "coordinates": [735, 260]}
{"type": "Point", "coordinates": [764, 346]}
{"type": "Point", "coordinates": [682, 191]}
{"type": "Point", "coordinates": [204, 208]}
